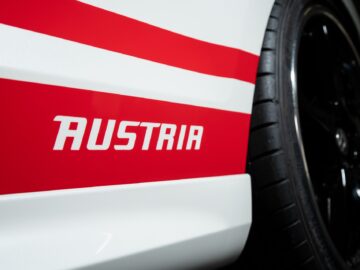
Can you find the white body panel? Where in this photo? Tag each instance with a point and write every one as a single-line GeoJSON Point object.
{"type": "Point", "coordinates": [160, 225]}
{"type": "Point", "coordinates": [233, 23]}
{"type": "Point", "coordinates": [182, 224]}
{"type": "Point", "coordinates": [29, 56]}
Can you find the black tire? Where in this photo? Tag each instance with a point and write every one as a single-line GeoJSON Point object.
{"type": "Point", "coordinates": [288, 230]}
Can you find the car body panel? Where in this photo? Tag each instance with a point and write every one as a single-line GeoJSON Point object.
{"type": "Point", "coordinates": [173, 63]}
{"type": "Point", "coordinates": [115, 226]}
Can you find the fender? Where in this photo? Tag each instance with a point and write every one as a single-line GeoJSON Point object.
{"type": "Point", "coordinates": [125, 134]}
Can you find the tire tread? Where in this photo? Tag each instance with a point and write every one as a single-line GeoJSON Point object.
{"type": "Point", "coordinates": [272, 190]}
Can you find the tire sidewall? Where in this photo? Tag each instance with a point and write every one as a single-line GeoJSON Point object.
{"type": "Point", "coordinates": [295, 16]}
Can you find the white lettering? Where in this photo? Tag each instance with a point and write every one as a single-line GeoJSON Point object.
{"type": "Point", "coordinates": [195, 135]}
{"type": "Point", "coordinates": [149, 129]}
{"type": "Point", "coordinates": [166, 136]}
{"type": "Point", "coordinates": [91, 145]}
{"type": "Point", "coordinates": [65, 131]}
{"type": "Point", "coordinates": [181, 137]}
{"type": "Point", "coordinates": [73, 128]}
{"type": "Point", "coordinates": [122, 134]}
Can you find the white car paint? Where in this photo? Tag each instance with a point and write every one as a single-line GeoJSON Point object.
{"type": "Point", "coordinates": [233, 23]}
{"type": "Point", "coordinates": [30, 56]}
{"type": "Point", "coordinates": [182, 224]}
{"type": "Point", "coordinates": [162, 225]}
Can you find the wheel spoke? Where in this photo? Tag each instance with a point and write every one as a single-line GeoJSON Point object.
{"type": "Point", "coordinates": [329, 107]}
{"type": "Point", "coordinates": [324, 117]}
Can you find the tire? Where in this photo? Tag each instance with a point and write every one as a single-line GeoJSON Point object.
{"type": "Point", "coordinates": [289, 228]}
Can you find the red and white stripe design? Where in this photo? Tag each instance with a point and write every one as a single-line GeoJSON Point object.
{"type": "Point", "coordinates": [71, 58]}
{"type": "Point", "coordinates": [114, 32]}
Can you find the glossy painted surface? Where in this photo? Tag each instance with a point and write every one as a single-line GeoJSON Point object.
{"type": "Point", "coordinates": [162, 225]}
{"type": "Point", "coordinates": [103, 151]}
{"type": "Point", "coordinates": [30, 56]}
{"type": "Point", "coordinates": [232, 23]}
{"type": "Point", "coordinates": [179, 223]}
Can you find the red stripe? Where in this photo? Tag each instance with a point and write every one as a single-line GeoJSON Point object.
{"type": "Point", "coordinates": [28, 133]}
{"type": "Point", "coordinates": [79, 22]}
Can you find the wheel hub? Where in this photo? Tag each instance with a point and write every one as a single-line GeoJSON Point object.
{"type": "Point", "coordinates": [341, 141]}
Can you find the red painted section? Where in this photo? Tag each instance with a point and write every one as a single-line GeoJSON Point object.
{"type": "Point", "coordinates": [83, 23]}
{"type": "Point", "coordinates": [28, 132]}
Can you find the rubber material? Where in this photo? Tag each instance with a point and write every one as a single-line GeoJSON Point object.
{"type": "Point", "coordinates": [287, 231]}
